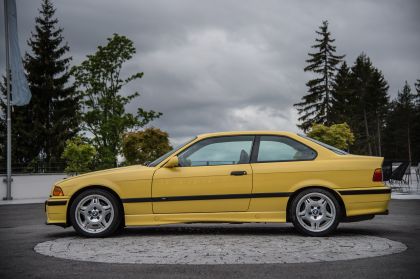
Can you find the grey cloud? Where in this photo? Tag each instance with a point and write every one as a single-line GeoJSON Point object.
{"type": "Point", "coordinates": [226, 65]}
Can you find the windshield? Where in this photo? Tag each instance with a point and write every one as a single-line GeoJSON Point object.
{"type": "Point", "coordinates": [166, 155]}
{"type": "Point", "coordinates": [332, 148]}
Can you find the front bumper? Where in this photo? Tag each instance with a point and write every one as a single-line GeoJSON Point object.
{"type": "Point", "coordinates": [56, 211]}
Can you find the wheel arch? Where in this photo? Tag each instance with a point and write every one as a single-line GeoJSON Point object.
{"type": "Point", "coordinates": [90, 187]}
{"type": "Point", "coordinates": [295, 193]}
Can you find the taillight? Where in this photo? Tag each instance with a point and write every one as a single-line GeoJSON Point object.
{"type": "Point", "coordinates": [377, 175]}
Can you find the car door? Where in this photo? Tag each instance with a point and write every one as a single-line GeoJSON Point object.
{"type": "Point", "coordinates": [214, 175]}
{"type": "Point", "coordinates": [278, 163]}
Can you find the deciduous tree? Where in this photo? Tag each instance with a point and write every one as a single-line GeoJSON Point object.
{"type": "Point", "coordinates": [99, 81]}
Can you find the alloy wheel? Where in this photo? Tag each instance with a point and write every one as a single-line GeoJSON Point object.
{"type": "Point", "coordinates": [94, 214]}
{"type": "Point", "coordinates": [315, 212]}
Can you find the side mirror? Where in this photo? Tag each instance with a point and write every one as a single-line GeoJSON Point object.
{"type": "Point", "coordinates": [172, 163]}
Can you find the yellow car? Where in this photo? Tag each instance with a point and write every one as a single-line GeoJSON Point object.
{"type": "Point", "coordinates": [238, 177]}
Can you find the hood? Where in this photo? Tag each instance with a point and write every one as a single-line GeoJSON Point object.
{"type": "Point", "coordinates": [112, 171]}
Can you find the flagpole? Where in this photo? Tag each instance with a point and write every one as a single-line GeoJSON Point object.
{"type": "Point", "coordinates": [9, 119]}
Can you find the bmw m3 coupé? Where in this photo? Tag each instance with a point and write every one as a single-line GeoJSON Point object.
{"type": "Point", "coordinates": [247, 176]}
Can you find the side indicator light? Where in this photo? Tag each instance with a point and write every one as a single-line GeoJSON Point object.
{"type": "Point", "coordinates": [57, 191]}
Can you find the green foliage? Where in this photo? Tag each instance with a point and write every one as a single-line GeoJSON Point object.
{"type": "Point", "coordinates": [416, 126]}
{"type": "Point", "coordinates": [79, 156]}
{"type": "Point", "coordinates": [54, 103]}
{"type": "Point", "coordinates": [145, 146]}
{"type": "Point", "coordinates": [99, 82]}
{"type": "Point", "coordinates": [402, 127]}
{"type": "Point", "coordinates": [356, 95]}
{"type": "Point", "coordinates": [361, 100]}
{"type": "Point", "coordinates": [316, 106]}
{"type": "Point", "coordinates": [337, 135]}
{"type": "Point", "coordinates": [417, 96]}
{"type": "Point", "coordinates": [40, 129]}
{"type": "Point", "coordinates": [29, 145]}
{"type": "Point", "coordinates": [342, 95]}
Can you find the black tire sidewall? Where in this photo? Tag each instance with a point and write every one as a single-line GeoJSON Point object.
{"type": "Point", "coordinates": [116, 222]}
{"type": "Point", "coordinates": [302, 229]}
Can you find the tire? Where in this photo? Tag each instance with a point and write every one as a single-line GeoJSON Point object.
{"type": "Point", "coordinates": [96, 213]}
{"type": "Point", "coordinates": [315, 212]}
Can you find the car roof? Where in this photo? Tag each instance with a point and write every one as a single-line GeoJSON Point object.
{"type": "Point", "coordinates": [238, 133]}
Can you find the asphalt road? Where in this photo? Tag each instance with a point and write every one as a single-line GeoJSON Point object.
{"type": "Point", "coordinates": [22, 227]}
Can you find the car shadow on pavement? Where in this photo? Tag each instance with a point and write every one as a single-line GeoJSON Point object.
{"type": "Point", "coordinates": [213, 229]}
{"type": "Point", "coordinates": [220, 229]}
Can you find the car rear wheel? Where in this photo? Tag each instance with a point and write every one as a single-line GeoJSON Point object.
{"type": "Point", "coordinates": [315, 212]}
{"type": "Point", "coordinates": [95, 213]}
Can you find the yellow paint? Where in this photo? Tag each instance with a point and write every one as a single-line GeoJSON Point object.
{"type": "Point", "coordinates": [328, 170]}
{"type": "Point", "coordinates": [200, 181]}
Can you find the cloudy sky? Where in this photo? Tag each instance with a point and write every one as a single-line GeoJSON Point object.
{"type": "Point", "coordinates": [233, 65]}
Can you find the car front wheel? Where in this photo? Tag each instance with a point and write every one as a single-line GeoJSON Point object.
{"type": "Point", "coordinates": [95, 213]}
{"type": "Point", "coordinates": [315, 212]}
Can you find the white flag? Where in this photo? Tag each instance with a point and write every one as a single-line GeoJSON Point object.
{"type": "Point", "coordinates": [21, 95]}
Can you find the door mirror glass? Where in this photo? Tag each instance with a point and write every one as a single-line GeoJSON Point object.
{"type": "Point", "coordinates": [172, 163]}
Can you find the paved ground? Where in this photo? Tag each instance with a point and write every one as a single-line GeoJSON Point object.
{"type": "Point", "coordinates": [21, 228]}
{"type": "Point", "coordinates": [219, 248]}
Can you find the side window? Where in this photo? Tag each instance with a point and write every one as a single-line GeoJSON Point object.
{"type": "Point", "coordinates": [218, 151]}
{"type": "Point", "coordinates": [276, 148]}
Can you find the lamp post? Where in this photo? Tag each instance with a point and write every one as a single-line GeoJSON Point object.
{"type": "Point", "coordinates": [8, 179]}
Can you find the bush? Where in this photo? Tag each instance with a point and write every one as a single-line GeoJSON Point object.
{"type": "Point", "coordinates": [79, 156]}
{"type": "Point", "coordinates": [145, 146]}
{"type": "Point", "coordinates": [337, 135]}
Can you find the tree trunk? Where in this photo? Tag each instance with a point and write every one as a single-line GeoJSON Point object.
{"type": "Point", "coordinates": [367, 132]}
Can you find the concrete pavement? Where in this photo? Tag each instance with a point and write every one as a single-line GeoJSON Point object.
{"type": "Point", "coordinates": [22, 227]}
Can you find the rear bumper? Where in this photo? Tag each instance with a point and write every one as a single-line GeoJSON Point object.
{"type": "Point", "coordinates": [366, 201]}
{"type": "Point", "coordinates": [359, 218]}
{"type": "Point", "coordinates": [56, 211]}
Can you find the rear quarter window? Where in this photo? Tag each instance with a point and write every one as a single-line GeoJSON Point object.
{"type": "Point", "coordinates": [278, 148]}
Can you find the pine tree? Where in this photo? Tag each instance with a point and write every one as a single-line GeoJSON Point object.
{"type": "Point", "coordinates": [54, 105]}
{"type": "Point", "coordinates": [416, 125]}
{"type": "Point", "coordinates": [24, 138]}
{"type": "Point", "coordinates": [316, 106]}
{"type": "Point", "coordinates": [40, 129]}
{"type": "Point", "coordinates": [417, 99]}
{"type": "Point", "coordinates": [378, 100]}
{"type": "Point", "coordinates": [342, 95]}
{"type": "Point", "coordinates": [369, 105]}
{"type": "Point", "coordinates": [400, 126]}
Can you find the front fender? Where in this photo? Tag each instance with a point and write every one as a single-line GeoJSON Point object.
{"type": "Point", "coordinates": [102, 182]}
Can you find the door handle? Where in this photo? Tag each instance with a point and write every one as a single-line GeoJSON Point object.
{"type": "Point", "coordinates": [237, 173]}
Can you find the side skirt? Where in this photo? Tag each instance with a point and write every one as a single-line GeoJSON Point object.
{"type": "Point", "coordinates": [223, 217]}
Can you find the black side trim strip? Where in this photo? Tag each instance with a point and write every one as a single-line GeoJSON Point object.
{"type": "Point", "coordinates": [208, 197]}
{"type": "Point", "coordinates": [52, 203]}
{"type": "Point", "coordinates": [365, 192]}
